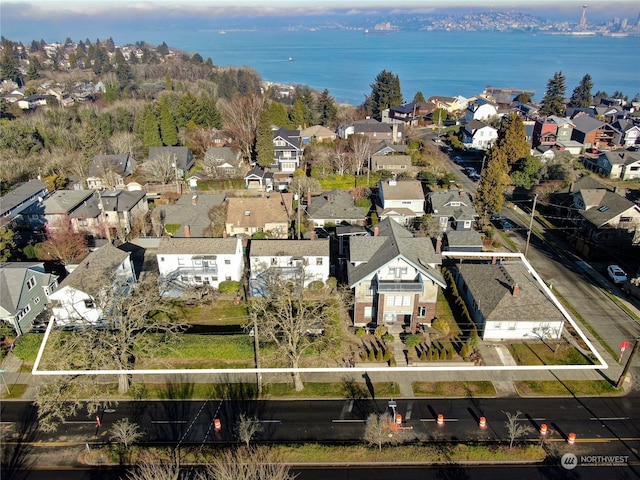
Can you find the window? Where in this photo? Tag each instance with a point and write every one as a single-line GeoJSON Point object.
{"type": "Point", "coordinates": [197, 279]}
{"type": "Point", "coordinates": [369, 291]}
{"type": "Point", "coordinates": [497, 325]}
{"type": "Point", "coordinates": [180, 261]}
{"type": "Point", "coordinates": [162, 259]}
{"type": "Point", "coordinates": [512, 326]}
{"type": "Point", "coordinates": [214, 279]}
{"type": "Point", "coordinates": [36, 300]}
{"type": "Point", "coordinates": [88, 303]}
{"type": "Point", "coordinates": [422, 312]}
{"type": "Point", "coordinates": [228, 278]}
{"type": "Point", "coordinates": [227, 261]}
{"type": "Point", "coordinates": [319, 261]}
{"type": "Point", "coordinates": [184, 278]}
{"type": "Point", "coordinates": [274, 261]}
{"type": "Point", "coordinates": [31, 283]}
{"type": "Point", "coordinates": [368, 311]}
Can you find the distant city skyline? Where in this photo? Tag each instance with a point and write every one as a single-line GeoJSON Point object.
{"type": "Point", "coordinates": [569, 10]}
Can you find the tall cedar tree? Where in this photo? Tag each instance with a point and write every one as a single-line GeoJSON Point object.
{"type": "Point", "coordinates": [327, 109]}
{"type": "Point", "coordinates": [419, 97]}
{"type": "Point", "coordinates": [9, 64]}
{"type": "Point", "coordinates": [264, 140]}
{"type": "Point", "coordinates": [299, 114]}
{"type": "Point", "coordinates": [494, 181]}
{"type": "Point", "coordinates": [512, 139]}
{"type": "Point", "coordinates": [553, 100]}
{"type": "Point", "coordinates": [581, 96]}
{"type": "Point", "coordinates": [168, 128]}
{"type": "Point", "coordinates": [278, 115]}
{"type": "Point", "coordinates": [385, 93]}
{"type": "Point", "coordinates": [151, 133]}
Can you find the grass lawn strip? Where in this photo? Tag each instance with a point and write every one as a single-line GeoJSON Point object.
{"type": "Point", "coordinates": [454, 389]}
{"type": "Point", "coordinates": [566, 388]}
{"type": "Point", "coordinates": [541, 354]}
{"type": "Point", "coordinates": [16, 391]}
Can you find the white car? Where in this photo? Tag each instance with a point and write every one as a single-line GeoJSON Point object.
{"type": "Point", "coordinates": [616, 274]}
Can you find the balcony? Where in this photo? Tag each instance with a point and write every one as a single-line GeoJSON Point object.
{"type": "Point", "coordinates": [399, 286]}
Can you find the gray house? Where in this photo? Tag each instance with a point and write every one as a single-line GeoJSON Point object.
{"type": "Point", "coordinates": [181, 156]}
{"type": "Point", "coordinates": [336, 207]}
{"type": "Point", "coordinates": [19, 199]}
{"type": "Point", "coordinates": [24, 292]}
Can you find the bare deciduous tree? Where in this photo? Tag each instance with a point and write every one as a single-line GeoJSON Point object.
{"type": "Point", "coordinates": [62, 243]}
{"type": "Point", "coordinates": [122, 143]}
{"type": "Point", "coordinates": [161, 169]}
{"type": "Point", "coordinates": [125, 432]}
{"type": "Point", "coordinates": [360, 152]}
{"type": "Point", "coordinates": [150, 468]}
{"type": "Point", "coordinates": [380, 431]}
{"type": "Point", "coordinates": [246, 463]}
{"type": "Point", "coordinates": [241, 117]}
{"type": "Point", "coordinates": [340, 157]}
{"type": "Point", "coordinates": [515, 428]}
{"type": "Point", "coordinates": [288, 319]}
{"type": "Point", "coordinates": [247, 427]}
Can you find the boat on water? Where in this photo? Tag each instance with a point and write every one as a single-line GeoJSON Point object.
{"type": "Point", "coordinates": [222, 32]}
{"type": "Point", "coordinates": [291, 59]}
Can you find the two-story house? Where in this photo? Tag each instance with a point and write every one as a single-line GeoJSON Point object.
{"type": "Point", "coordinates": [500, 297]}
{"type": "Point", "coordinates": [25, 288]}
{"type": "Point", "coordinates": [223, 162]}
{"type": "Point", "coordinates": [198, 262]}
{"type": "Point", "coordinates": [619, 164]}
{"type": "Point", "coordinates": [181, 158]}
{"type": "Point", "coordinates": [122, 209]}
{"type": "Point", "coordinates": [594, 133]}
{"type": "Point", "coordinates": [395, 278]}
{"type": "Point", "coordinates": [110, 171]}
{"type": "Point", "coordinates": [20, 198]}
{"type": "Point", "coordinates": [374, 130]}
{"type": "Point", "coordinates": [550, 130]}
{"type": "Point", "coordinates": [455, 215]}
{"type": "Point", "coordinates": [79, 297]}
{"type": "Point", "coordinates": [248, 216]}
{"type": "Point", "coordinates": [189, 216]}
{"type": "Point", "coordinates": [478, 135]}
{"type": "Point", "coordinates": [480, 110]}
{"type": "Point", "coordinates": [287, 149]}
{"type": "Point", "coordinates": [305, 261]}
{"type": "Point", "coordinates": [401, 200]}
{"type": "Point", "coordinates": [630, 132]}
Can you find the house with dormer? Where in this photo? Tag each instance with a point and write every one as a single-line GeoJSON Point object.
{"type": "Point", "coordinates": [395, 278]}
{"type": "Point", "coordinates": [287, 150]}
{"type": "Point", "coordinates": [452, 209]}
{"type": "Point", "coordinates": [306, 261]}
{"type": "Point", "coordinates": [548, 131]}
{"type": "Point", "coordinates": [110, 171]}
{"type": "Point", "coordinates": [269, 215]}
{"type": "Point", "coordinates": [500, 297]}
{"type": "Point", "coordinates": [223, 162]}
{"type": "Point", "coordinates": [374, 130]}
{"type": "Point", "coordinates": [184, 262]}
{"type": "Point", "coordinates": [400, 200]}
{"type": "Point", "coordinates": [78, 299]}
{"type": "Point", "coordinates": [478, 135]}
{"type": "Point", "coordinates": [122, 209]}
{"type": "Point", "coordinates": [25, 288]}
{"type": "Point", "coordinates": [180, 157]}
{"type": "Point", "coordinates": [386, 147]}
{"type": "Point", "coordinates": [630, 132]}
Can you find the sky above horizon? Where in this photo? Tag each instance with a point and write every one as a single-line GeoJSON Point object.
{"type": "Point", "coordinates": [42, 9]}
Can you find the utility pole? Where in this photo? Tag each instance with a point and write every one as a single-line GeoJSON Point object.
{"type": "Point", "coordinates": [533, 213]}
{"type": "Point", "coordinates": [627, 365]}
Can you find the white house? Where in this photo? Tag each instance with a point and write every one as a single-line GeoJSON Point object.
{"type": "Point", "coordinates": [480, 110]}
{"type": "Point", "coordinates": [619, 164]}
{"type": "Point", "coordinates": [506, 301]}
{"type": "Point", "coordinates": [199, 261]}
{"type": "Point", "coordinates": [77, 300]}
{"type": "Point", "coordinates": [478, 135]}
{"type": "Point", "coordinates": [400, 200]}
{"type": "Point", "coordinates": [305, 259]}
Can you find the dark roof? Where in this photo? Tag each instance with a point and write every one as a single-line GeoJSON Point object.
{"type": "Point", "coordinates": [491, 288]}
{"type": "Point", "coordinates": [393, 240]}
{"type": "Point", "coordinates": [610, 206]}
{"type": "Point", "coordinates": [121, 200]}
{"type": "Point", "coordinates": [336, 204]}
{"type": "Point", "coordinates": [452, 203]}
{"type": "Point", "coordinates": [585, 123]}
{"type": "Point", "coordinates": [123, 165]}
{"type": "Point", "coordinates": [182, 155]}
{"type": "Point", "coordinates": [20, 194]}
{"type": "Point", "coordinates": [191, 210]}
{"type": "Point", "coordinates": [286, 248]}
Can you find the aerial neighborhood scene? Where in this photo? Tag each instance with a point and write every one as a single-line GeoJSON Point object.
{"type": "Point", "coordinates": [285, 261]}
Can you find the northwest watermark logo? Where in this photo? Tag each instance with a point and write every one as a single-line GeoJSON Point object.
{"type": "Point", "coordinates": [569, 461]}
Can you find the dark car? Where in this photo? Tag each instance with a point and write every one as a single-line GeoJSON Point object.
{"type": "Point", "coordinates": [506, 224]}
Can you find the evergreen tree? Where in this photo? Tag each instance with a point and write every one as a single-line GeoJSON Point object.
{"type": "Point", "coordinates": [419, 97]}
{"type": "Point", "coordinates": [207, 112]}
{"type": "Point", "coordinates": [327, 109]}
{"type": "Point", "coordinates": [493, 182]}
{"type": "Point", "coordinates": [33, 71]}
{"type": "Point", "coordinates": [512, 139]}
{"type": "Point", "coordinates": [278, 115]}
{"type": "Point", "coordinates": [9, 63]}
{"type": "Point", "coordinates": [91, 141]}
{"type": "Point", "coordinates": [553, 100]}
{"type": "Point", "coordinates": [385, 93]}
{"type": "Point", "coordinates": [151, 132]}
{"type": "Point", "coordinates": [163, 49]}
{"type": "Point", "coordinates": [197, 58]}
{"type": "Point", "coordinates": [264, 140]}
{"type": "Point", "coordinates": [298, 114]}
{"type": "Point", "coordinates": [581, 96]}
{"type": "Point", "coordinates": [168, 129]}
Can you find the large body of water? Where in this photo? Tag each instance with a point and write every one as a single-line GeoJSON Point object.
{"type": "Point", "coordinates": [347, 61]}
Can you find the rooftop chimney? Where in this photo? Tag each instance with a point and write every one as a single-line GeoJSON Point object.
{"type": "Point", "coordinates": [312, 234]}
{"type": "Point", "coordinates": [376, 231]}
{"type": "Point", "coordinates": [439, 244]}
{"type": "Point", "coordinates": [309, 197]}
{"type": "Point", "coordinates": [515, 290]}
{"type": "Point", "coordinates": [187, 231]}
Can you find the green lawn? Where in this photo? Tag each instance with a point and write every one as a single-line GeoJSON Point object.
{"type": "Point", "coordinates": [566, 388]}
{"type": "Point", "coordinates": [16, 391]}
{"type": "Point", "coordinates": [219, 312]}
{"type": "Point", "coordinates": [330, 390]}
{"type": "Point", "coordinates": [541, 354]}
{"type": "Point", "coordinates": [27, 347]}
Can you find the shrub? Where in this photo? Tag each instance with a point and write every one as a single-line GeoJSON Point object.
{"type": "Point", "coordinates": [412, 340]}
{"type": "Point", "coordinates": [371, 357]}
{"type": "Point", "coordinates": [360, 332]}
{"type": "Point", "coordinates": [441, 325]}
{"type": "Point", "coordinates": [229, 286]}
{"type": "Point", "coordinates": [392, 362]}
{"type": "Point", "coordinates": [332, 283]}
{"type": "Point", "coordinates": [316, 285]}
{"type": "Point", "coordinates": [379, 356]}
{"type": "Point", "coordinates": [388, 338]}
{"type": "Point", "coordinates": [423, 355]}
{"type": "Point", "coordinates": [380, 331]}
{"type": "Point", "coordinates": [465, 351]}
{"type": "Point", "coordinates": [387, 354]}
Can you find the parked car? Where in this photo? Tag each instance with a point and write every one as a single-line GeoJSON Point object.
{"type": "Point", "coordinates": [506, 224]}
{"type": "Point", "coordinates": [458, 159]}
{"type": "Point", "coordinates": [616, 274]}
{"type": "Point", "coordinates": [470, 171]}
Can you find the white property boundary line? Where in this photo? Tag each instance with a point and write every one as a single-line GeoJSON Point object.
{"type": "Point", "coordinates": [436, 368]}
